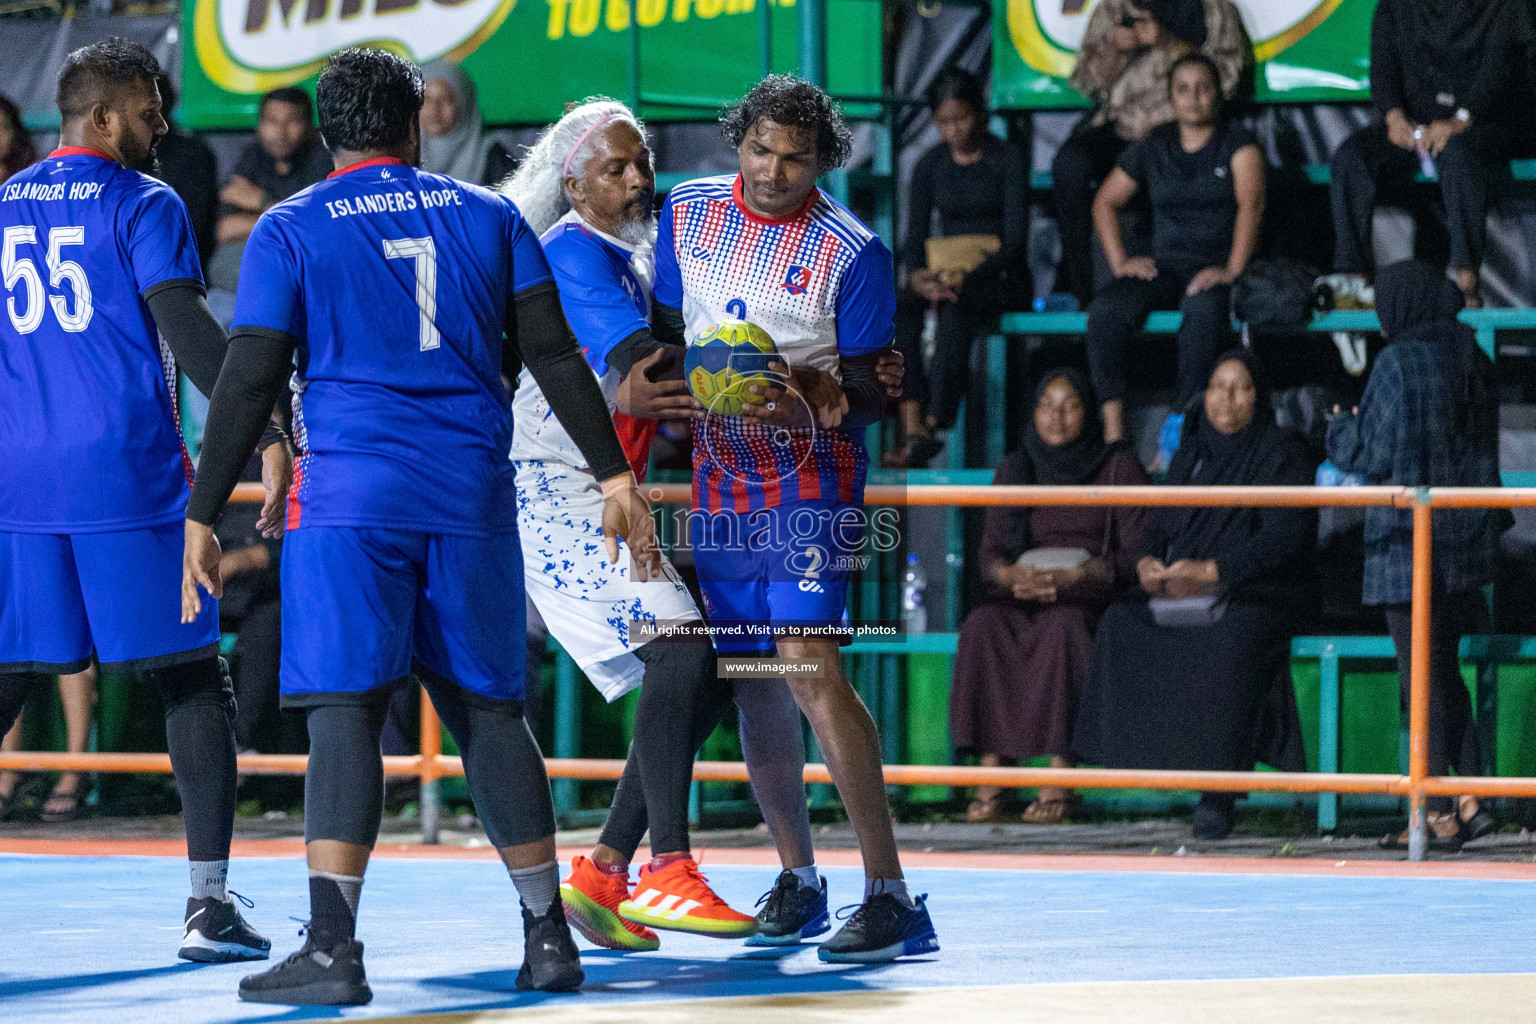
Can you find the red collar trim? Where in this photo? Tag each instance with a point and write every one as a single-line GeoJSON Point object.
{"type": "Point", "coordinates": [78, 151]}
{"type": "Point", "coordinates": [377, 161]}
{"type": "Point", "coordinates": [752, 218]}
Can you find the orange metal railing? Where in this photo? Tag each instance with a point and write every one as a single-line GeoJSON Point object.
{"type": "Point", "coordinates": [431, 764]}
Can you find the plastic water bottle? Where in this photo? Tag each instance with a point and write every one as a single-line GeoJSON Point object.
{"type": "Point", "coordinates": [1329, 475]}
{"type": "Point", "coordinates": [913, 584]}
{"type": "Point", "coordinates": [1056, 302]}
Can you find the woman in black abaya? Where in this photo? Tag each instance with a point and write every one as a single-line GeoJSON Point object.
{"type": "Point", "coordinates": [1213, 696]}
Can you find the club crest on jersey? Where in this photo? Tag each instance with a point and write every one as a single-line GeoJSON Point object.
{"type": "Point", "coordinates": [797, 279]}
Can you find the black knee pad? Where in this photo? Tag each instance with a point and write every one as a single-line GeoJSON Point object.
{"type": "Point", "coordinates": [204, 681]}
{"type": "Point", "coordinates": [13, 696]}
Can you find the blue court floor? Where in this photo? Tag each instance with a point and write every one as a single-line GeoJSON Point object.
{"type": "Point", "coordinates": [93, 939]}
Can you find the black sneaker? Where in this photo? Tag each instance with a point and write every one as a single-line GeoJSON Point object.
{"type": "Point", "coordinates": [313, 977]}
{"type": "Point", "coordinates": [881, 929]}
{"type": "Point", "coordinates": [550, 960]}
{"type": "Point", "coordinates": [795, 912]}
{"type": "Point", "coordinates": [215, 933]}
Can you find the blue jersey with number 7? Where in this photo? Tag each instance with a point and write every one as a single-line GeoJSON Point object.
{"type": "Point", "coordinates": [88, 433]}
{"type": "Point", "coordinates": [395, 282]}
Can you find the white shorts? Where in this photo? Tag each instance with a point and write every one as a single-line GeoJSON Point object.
{"type": "Point", "coordinates": [588, 603]}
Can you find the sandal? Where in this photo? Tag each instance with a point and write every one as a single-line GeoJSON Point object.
{"type": "Point", "coordinates": [62, 807]}
{"type": "Point", "coordinates": [1450, 844]}
{"type": "Point", "coordinates": [1045, 812]}
{"type": "Point", "coordinates": [983, 811]}
{"type": "Point", "coordinates": [1480, 824]}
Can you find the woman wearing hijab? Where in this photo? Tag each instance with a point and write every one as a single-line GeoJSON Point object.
{"type": "Point", "coordinates": [1023, 655]}
{"type": "Point", "coordinates": [453, 140]}
{"type": "Point", "coordinates": [1192, 669]}
{"type": "Point", "coordinates": [1430, 417]}
{"type": "Point", "coordinates": [1451, 79]}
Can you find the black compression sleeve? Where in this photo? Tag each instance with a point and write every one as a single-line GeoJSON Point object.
{"type": "Point", "coordinates": [668, 325]}
{"type": "Point", "coordinates": [254, 374]}
{"type": "Point", "coordinates": [195, 337]}
{"type": "Point", "coordinates": [867, 397]}
{"type": "Point", "coordinates": [626, 353]}
{"type": "Point", "coordinates": [539, 338]}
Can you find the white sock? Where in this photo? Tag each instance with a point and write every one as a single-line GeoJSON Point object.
{"type": "Point", "coordinates": [210, 880]}
{"type": "Point", "coordinates": [807, 875]}
{"type": "Point", "coordinates": [895, 886]}
{"type": "Point", "coordinates": [539, 886]}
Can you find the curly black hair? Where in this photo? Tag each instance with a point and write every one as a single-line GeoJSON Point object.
{"type": "Point", "coordinates": [100, 72]}
{"type": "Point", "coordinates": [793, 103]}
{"type": "Point", "coordinates": [368, 100]}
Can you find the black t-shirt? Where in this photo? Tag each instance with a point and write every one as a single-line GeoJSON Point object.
{"type": "Point", "coordinates": [308, 166]}
{"type": "Point", "coordinates": [1194, 205]}
{"type": "Point", "coordinates": [188, 166]}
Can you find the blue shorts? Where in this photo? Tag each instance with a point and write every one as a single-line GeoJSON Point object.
{"type": "Point", "coordinates": [358, 603]}
{"type": "Point", "coordinates": [760, 571]}
{"type": "Point", "coordinates": [63, 596]}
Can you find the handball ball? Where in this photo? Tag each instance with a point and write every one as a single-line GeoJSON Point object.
{"type": "Point", "coordinates": [724, 360]}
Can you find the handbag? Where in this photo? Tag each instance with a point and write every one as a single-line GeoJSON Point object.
{"type": "Point", "coordinates": [1053, 558]}
{"type": "Point", "coordinates": [963, 253]}
{"type": "Point", "coordinates": [1180, 612]}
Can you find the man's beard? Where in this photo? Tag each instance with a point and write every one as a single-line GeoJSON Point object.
{"type": "Point", "coordinates": [639, 232]}
{"type": "Point", "coordinates": [148, 163]}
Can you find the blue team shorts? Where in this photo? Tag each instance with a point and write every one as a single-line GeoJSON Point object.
{"type": "Point", "coordinates": [63, 596]}
{"type": "Point", "coordinates": [359, 602]}
{"type": "Point", "coordinates": [770, 568]}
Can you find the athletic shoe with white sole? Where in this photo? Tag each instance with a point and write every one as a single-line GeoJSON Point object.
{"type": "Point", "coordinates": [677, 897]}
{"type": "Point", "coordinates": [215, 933]}
{"type": "Point", "coordinates": [881, 929]}
{"type": "Point", "coordinates": [312, 976]}
{"type": "Point", "coordinates": [592, 897]}
{"type": "Point", "coordinates": [550, 960]}
{"type": "Point", "coordinates": [795, 912]}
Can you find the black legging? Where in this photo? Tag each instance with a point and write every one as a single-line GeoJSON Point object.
{"type": "Point", "coordinates": [1081, 164]}
{"type": "Point", "coordinates": [940, 385]}
{"type": "Point", "coordinates": [1117, 313]}
{"type": "Point", "coordinates": [259, 645]}
{"type": "Point", "coordinates": [681, 702]}
{"type": "Point", "coordinates": [344, 785]}
{"type": "Point", "coordinates": [1453, 738]}
{"type": "Point", "coordinates": [1466, 168]}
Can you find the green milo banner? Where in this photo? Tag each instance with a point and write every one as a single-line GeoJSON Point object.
{"type": "Point", "coordinates": [527, 57]}
{"type": "Point", "coordinates": [1305, 51]}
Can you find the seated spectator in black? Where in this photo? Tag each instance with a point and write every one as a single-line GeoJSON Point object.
{"type": "Point", "coordinates": [286, 157]}
{"type": "Point", "coordinates": [1452, 83]}
{"type": "Point", "coordinates": [1023, 654]}
{"type": "Point", "coordinates": [1205, 179]}
{"type": "Point", "coordinates": [17, 151]}
{"type": "Point", "coordinates": [251, 609]}
{"type": "Point", "coordinates": [187, 165]}
{"type": "Point", "coordinates": [1430, 417]}
{"type": "Point", "coordinates": [978, 184]}
{"type": "Point", "coordinates": [1122, 65]}
{"type": "Point", "coordinates": [1192, 670]}
{"type": "Point", "coordinates": [453, 137]}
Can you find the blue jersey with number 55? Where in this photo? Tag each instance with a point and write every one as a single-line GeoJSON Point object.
{"type": "Point", "coordinates": [395, 283]}
{"type": "Point", "coordinates": [88, 434]}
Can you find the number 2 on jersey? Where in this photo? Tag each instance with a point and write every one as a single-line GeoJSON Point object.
{"type": "Point", "coordinates": [423, 254]}
{"type": "Point", "coordinates": [20, 270]}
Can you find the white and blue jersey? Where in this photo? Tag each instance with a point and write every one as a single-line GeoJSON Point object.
{"type": "Point", "coordinates": [403, 509]}
{"type": "Point", "coordinates": [93, 475]}
{"type": "Point", "coordinates": [588, 603]}
{"type": "Point", "coordinates": [820, 283]}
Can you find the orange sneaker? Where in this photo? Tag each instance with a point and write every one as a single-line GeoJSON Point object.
{"type": "Point", "coordinates": [592, 897]}
{"type": "Point", "coordinates": [678, 897]}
